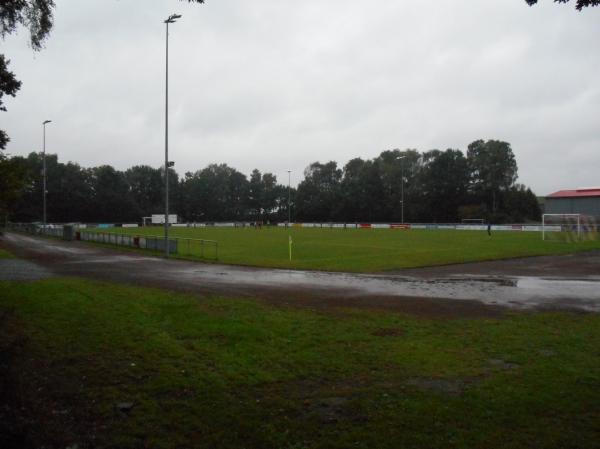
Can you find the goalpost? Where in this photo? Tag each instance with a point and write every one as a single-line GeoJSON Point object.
{"type": "Point", "coordinates": [568, 227]}
{"type": "Point", "coordinates": [556, 224]}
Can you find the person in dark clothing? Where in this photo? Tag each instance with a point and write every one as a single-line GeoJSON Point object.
{"type": "Point", "coordinates": [489, 229]}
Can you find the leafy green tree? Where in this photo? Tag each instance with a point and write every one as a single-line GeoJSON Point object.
{"type": "Point", "coordinates": [8, 86]}
{"type": "Point", "coordinates": [13, 176]}
{"type": "Point", "coordinates": [493, 170]}
{"type": "Point", "coordinates": [374, 192]}
{"type": "Point", "coordinates": [214, 181]}
{"type": "Point", "coordinates": [262, 196]}
{"type": "Point", "coordinates": [580, 4]}
{"type": "Point", "coordinates": [319, 194]}
{"type": "Point", "coordinates": [69, 191]}
{"type": "Point", "coordinates": [146, 187]}
{"type": "Point", "coordinates": [255, 195]}
{"type": "Point", "coordinates": [438, 186]}
{"type": "Point", "coordinates": [215, 193]}
{"type": "Point", "coordinates": [400, 171]}
{"type": "Point", "coordinates": [444, 184]}
{"type": "Point", "coordinates": [269, 196]}
{"type": "Point", "coordinates": [521, 205]}
{"type": "Point", "coordinates": [110, 196]}
{"type": "Point", "coordinates": [237, 196]}
{"type": "Point", "coordinates": [352, 191]}
{"type": "Point", "coordinates": [28, 207]}
{"type": "Point", "coordinates": [280, 213]}
{"type": "Point", "coordinates": [190, 197]}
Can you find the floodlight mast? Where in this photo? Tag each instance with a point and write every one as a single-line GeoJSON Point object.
{"type": "Point", "coordinates": [401, 158]}
{"type": "Point", "coordinates": [44, 123]}
{"type": "Point", "coordinates": [171, 19]}
{"type": "Point", "coordinates": [289, 196]}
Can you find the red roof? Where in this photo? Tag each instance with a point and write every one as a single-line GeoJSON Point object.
{"type": "Point", "coordinates": [579, 193]}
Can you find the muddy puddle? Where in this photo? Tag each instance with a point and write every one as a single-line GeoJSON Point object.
{"type": "Point", "coordinates": [514, 292]}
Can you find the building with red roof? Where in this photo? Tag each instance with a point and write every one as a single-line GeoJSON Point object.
{"type": "Point", "coordinates": [585, 201]}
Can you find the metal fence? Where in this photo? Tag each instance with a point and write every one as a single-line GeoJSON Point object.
{"type": "Point", "coordinates": [50, 230]}
{"type": "Point", "coordinates": [196, 248]}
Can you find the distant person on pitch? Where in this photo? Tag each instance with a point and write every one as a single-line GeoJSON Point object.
{"type": "Point", "coordinates": [489, 229]}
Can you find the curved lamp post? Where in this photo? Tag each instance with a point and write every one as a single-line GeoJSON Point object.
{"type": "Point", "coordinates": [171, 19]}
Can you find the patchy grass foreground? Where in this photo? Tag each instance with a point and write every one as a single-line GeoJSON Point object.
{"type": "Point", "coordinates": [5, 254]}
{"type": "Point", "coordinates": [100, 365]}
{"type": "Point", "coordinates": [363, 250]}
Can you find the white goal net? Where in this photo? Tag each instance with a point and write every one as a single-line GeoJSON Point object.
{"type": "Point", "coordinates": [568, 227]}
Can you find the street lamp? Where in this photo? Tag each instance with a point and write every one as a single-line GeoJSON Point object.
{"type": "Point", "coordinates": [289, 196]}
{"type": "Point", "coordinates": [171, 19]}
{"type": "Point", "coordinates": [402, 185]}
{"type": "Point", "coordinates": [44, 123]}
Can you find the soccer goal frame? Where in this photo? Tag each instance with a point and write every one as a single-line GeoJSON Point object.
{"type": "Point", "coordinates": [473, 221]}
{"type": "Point", "coordinates": [545, 223]}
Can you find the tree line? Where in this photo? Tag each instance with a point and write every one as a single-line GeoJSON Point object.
{"type": "Point", "coordinates": [433, 186]}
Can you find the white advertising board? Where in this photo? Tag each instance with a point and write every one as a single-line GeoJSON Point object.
{"type": "Point", "coordinates": [160, 218]}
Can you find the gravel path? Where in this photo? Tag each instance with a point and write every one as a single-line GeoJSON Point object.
{"type": "Point", "coordinates": [21, 270]}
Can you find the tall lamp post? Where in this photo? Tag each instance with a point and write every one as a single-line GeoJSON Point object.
{"type": "Point", "coordinates": [44, 123]}
{"type": "Point", "coordinates": [289, 196]}
{"type": "Point", "coordinates": [402, 186]}
{"type": "Point", "coordinates": [171, 19]}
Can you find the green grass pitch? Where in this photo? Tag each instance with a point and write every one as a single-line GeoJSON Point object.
{"type": "Point", "coordinates": [363, 250]}
{"type": "Point", "coordinates": [237, 373]}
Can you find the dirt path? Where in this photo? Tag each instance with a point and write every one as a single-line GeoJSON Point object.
{"type": "Point", "coordinates": [488, 288]}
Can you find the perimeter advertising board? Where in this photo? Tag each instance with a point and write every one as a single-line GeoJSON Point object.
{"type": "Point", "coordinates": [160, 218]}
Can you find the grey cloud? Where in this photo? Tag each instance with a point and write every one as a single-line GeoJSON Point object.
{"type": "Point", "coordinates": [279, 84]}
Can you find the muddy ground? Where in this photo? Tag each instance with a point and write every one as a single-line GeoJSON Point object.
{"type": "Point", "coordinates": [476, 289]}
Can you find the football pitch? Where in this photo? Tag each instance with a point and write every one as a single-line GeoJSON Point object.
{"type": "Point", "coordinates": [361, 250]}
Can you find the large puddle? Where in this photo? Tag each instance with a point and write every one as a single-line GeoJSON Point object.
{"type": "Point", "coordinates": [514, 292]}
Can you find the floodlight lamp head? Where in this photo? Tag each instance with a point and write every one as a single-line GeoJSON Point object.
{"type": "Point", "coordinates": [47, 121]}
{"type": "Point", "coordinates": [172, 18]}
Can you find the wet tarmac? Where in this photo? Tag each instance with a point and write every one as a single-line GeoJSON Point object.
{"type": "Point", "coordinates": [21, 270]}
{"type": "Point", "coordinates": [575, 291]}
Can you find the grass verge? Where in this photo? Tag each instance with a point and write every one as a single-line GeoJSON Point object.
{"type": "Point", "coordinates": [103, 365]}
{"type": "Point", "coordinates": [5, 254]}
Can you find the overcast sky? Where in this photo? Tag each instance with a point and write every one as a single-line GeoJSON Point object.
{"type": "Point", "coordinates": [278, 84]}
